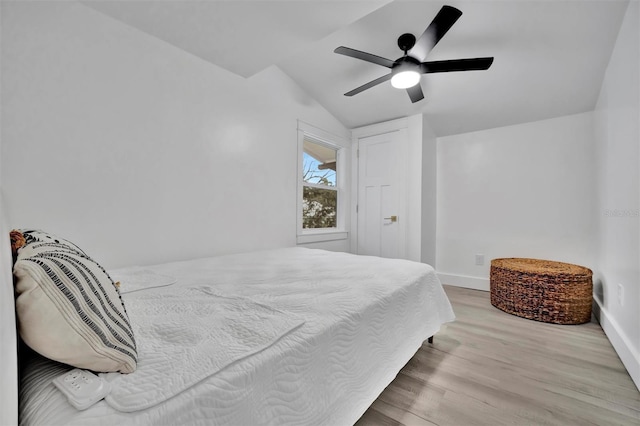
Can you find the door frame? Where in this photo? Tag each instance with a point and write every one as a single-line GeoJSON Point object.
{"type": "Point", "coordinates": [399, 125]}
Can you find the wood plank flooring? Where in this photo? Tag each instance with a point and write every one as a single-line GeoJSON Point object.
{"type": "Point", "coordinates": [492, 368]}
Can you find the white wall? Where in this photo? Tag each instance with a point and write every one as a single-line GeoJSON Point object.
{"type": "Point", "coordinates": [421, 190]}
{"type": "Point", "coordinates": [517, 191]}
{"type": "Point", "coordinates": [8, 349]}
{"type": "Point", "coordinates": [414, 171]}
{"type": "Point", "coordinates": [138, 151]}
{"type": "Point", "coordinates": [429, 193]}
{"type": "Point", "coordinates": [8, 337]}
{"type": "Point", "coordinates": [618, 195]}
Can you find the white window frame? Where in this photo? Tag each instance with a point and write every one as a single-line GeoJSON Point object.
{"type": "Point", "coordinates": [322, 137]}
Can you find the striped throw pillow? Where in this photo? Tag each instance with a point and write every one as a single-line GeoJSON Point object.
{"type": "Point", "coordinates": [69, 309]}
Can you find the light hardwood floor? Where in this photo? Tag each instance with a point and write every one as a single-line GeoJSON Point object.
{"type": "Point", "coordinates": [492, 368]}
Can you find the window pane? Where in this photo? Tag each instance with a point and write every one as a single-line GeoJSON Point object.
{"type": "Point", "coordinates": [319, 207]}
{"type": "Point", "coordinates": [318, 164]}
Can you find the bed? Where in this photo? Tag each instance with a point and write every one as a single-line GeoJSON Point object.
{"type": "Point", "coordinates": [328, 332]}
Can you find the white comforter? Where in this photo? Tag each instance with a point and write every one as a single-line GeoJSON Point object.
{"type": "Point", "coordinates": [364, 318]}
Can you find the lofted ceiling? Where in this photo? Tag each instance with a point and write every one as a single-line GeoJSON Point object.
{"type": "Point", "coordinates": [550, 56]}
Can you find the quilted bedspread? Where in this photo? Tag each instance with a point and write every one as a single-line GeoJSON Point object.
{"type": "Point", "coordinates": [185, 335]}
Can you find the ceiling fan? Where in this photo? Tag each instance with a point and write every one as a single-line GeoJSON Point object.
{"type": "Point", "coordinates": [406, 70]}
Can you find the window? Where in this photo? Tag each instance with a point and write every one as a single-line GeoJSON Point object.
{"type": "Point", "coordinates": [321, 183]}
{"type": "Point", "coordinates": [319, 189]}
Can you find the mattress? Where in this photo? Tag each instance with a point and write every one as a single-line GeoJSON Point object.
{"type": "Point", "coordinates": [362, 318]}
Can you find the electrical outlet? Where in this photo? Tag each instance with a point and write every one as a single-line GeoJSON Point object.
{"type": "Point", "coordinates": [620, 294]}
{"type": "Point", "coordinates": [479, 259]}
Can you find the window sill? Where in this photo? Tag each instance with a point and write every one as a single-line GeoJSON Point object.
{"type": "Point", "coordinates": [318, 236]}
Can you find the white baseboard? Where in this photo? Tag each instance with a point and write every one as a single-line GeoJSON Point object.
{"type": "Point", "coordinates": [619, 340]}
{"type": "Point", "coordinates": [464, 281]}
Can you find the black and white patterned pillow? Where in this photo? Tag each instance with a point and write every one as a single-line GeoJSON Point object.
{"type": "Point", "coordinates": [69, 309]}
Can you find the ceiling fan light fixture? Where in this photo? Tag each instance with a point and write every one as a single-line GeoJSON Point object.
{"type": "Point", "coordinates": [405, 79]}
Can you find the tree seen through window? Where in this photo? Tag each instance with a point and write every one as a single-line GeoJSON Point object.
{"type": "Point", "coordinates": [319, 192]}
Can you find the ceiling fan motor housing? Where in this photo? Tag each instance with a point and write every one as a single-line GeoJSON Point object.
{"type": "Point", "coordinates": [406, 63]}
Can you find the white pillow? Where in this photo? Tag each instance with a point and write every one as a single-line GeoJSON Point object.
{"type": "Point", "coordinates": [69, 309]}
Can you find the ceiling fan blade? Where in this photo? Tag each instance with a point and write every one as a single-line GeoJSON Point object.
{"type": "Point", "coordinates": [415, 93]}
{"type": "Point", "coordinates": [472, 64]}
{"type": "Point", "coordinates": [378, 60]}
{"type": "Point", "coordinates": [443, 21]}
{"type": "Point", "coordinates": [369, 85]}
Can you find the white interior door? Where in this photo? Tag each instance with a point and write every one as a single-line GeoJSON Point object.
{"type": "Point", "coordinates": [381, 196]}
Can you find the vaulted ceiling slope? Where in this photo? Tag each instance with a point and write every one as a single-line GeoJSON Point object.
{"type": "Point", "coordinates": [241, 36]}
{"type": "Point", "coordinates": [550, 56]}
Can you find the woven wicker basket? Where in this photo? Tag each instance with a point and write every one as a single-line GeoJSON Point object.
{"type": "Point", "coordinates": [542, 290]}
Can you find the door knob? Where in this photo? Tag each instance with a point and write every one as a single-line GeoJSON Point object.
{"type": "Point", "coordinates": [392, 218]}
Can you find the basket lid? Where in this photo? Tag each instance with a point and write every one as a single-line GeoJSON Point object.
{"type": "Point", "coordinates": [541, 267]}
